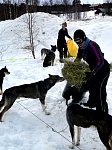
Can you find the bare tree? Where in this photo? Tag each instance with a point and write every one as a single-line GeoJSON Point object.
{"type": "Point", "coordinates": [51, 2]}
{"type": "Point", "coordinates": [45, 3]}
{"type": "Point", "coordinates": [30, 26]}
{"type": "Point", "coordinates": [30, 23]}
{"type": "Point", "coordinates": [15, 9]}
{"type": "Point", "coordinates": [8, 13]}
{"type": "Point", "coordinates": [107, 1]}
{"type": "Point", "coordinates": [108, 7]}
{"type": "Point", "coordinates": [66, 2]}
{"type": "Point", "coordinates": [77, 14]}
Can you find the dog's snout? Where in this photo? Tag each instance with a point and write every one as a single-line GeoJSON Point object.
{"type": "Point", "coordinates": [62, 79]}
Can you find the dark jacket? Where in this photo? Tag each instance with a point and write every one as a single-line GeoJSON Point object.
{"type": "Point", "coordinates": [61, 36]}
{"type": "Point", "coordinates": [92, 54]}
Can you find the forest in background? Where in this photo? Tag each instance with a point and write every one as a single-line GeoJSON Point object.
{"type": "Point", "coordinates": [10, 10]}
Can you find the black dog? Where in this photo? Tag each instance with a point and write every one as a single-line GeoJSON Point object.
{"type": "Point", "coordinates": [4, 71]}
{"type": "Point", "coordinates": [50, 56]}
{"type": "Point", "coordinates": [45, 51]}
{"type": "Point", "coordinates": [72, 91]}
{"type": "Point", "coordinates": [33, 90]}
{"type": "Point", "coordinates": [83, 117]}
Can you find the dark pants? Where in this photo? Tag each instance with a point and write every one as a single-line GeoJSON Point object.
{"type": "Point", "coordinates": [97, 89]}
{"type": "Point", "coordinates": [62, 48]}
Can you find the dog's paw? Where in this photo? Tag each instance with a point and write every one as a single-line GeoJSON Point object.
{"type": "Point", "coordinates": [1, 121]}
{"type": "Point", "coordinates": [72, 146]}
{"type": "Point", "coordinates": [77, 144]}
{"type": "Point", "coordinates": [47, 113]}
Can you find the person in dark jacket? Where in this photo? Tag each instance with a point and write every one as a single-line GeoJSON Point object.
{"type": "Point", "coordinates": [61, 42]}
{"type": "Point", "coordinates": [100, 70]}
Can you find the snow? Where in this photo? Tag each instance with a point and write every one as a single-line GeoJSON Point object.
{"type": "Point", "coordinates": [25, 126]}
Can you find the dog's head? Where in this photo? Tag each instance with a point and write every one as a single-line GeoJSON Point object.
{"type": "Point", "coordinates": [56, 78]}
{"type": "Point", "coordinates": [53, 48]}
{"type": "Point", "coordinates": [74, 93]}
{"type": "Point", "coordinates": [5, 70]}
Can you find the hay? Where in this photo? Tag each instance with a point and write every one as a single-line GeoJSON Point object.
{"type": "Point", "coordinates": [74, 72]}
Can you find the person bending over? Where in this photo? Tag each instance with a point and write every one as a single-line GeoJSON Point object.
{"type": "Point", "coordinates": [100, 70]}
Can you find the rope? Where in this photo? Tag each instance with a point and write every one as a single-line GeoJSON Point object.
{"type": "Point", "coordinates": [48, 124]}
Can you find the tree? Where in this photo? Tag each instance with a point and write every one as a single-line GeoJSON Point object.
{"type": "Point", "coordinates": [75, 2]}
{"type": "Point", "coordinates": [51, 2]}
{"type": "Point", "coordinates": [30, 23]}
{"type": "Point", "coordinates": [9, 8]}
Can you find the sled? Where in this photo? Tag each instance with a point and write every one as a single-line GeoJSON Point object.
{"type": "Point", "coordinates": [72, 48]}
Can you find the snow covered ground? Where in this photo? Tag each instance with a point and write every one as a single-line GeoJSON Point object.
{"type": "Point", "coordinates": [25, 126]}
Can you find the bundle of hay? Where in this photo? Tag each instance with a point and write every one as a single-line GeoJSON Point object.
{"type": "Point", "coordinates": [74, 72]}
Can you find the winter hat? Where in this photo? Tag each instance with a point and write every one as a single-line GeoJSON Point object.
{"type": "Point", "coordinates": [79, 34]}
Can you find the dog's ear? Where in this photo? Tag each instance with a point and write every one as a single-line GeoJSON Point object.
{"type": "Point", "coordinates": [50, 75]}
{"type": "Point", "coordinates": [5, 67]}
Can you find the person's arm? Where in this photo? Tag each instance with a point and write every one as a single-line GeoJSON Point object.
{"type": "Point", "coordinates": [79, 55]}
{"type": "Point", "coordinates": [98, 55]}
{"type": "Point", "coordinates": [67, 34]}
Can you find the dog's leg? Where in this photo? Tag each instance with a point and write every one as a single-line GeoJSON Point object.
{"type": "Point", "coordinates": [78, 136]}
{"type": "Point", "coordinates": [71, 128]}
{"type": "Point", "coordinates": [1, 92]}
{"type": "Point", "coordinates": [42, 57]}
{"type": "Point", "coordinates": [8, 102]}
{"type": "Point", "coordinates": [44, 107]}
{"type": "Point", "coordinates": [4, 108]}
{"type": "Point", "coordinates": [104, 138]}
{"type": "Point", "coordinates": [110, 142]}
{"type": "Point", "coordinates": [66, 102]}
{"type": "Point", "coordinates": [52, 62]}
{"type": "Point", "coordinates": [1, 115]}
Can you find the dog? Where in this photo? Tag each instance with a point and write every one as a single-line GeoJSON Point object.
{"type": "Point", "coordinates": [4, 71]}
{"type": "Point", "coordinates": [34, 90]}
{"type": "Point", "coordinates": [45, 51]}
{"type": "Point", "coordinates": [50, 57]}
{"type": "Point", "coordinates": [73, 92]}
{"type": "Point", "coordinates": [77, 94]}
{"type": "Point", "coordinates": [84, 117]}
